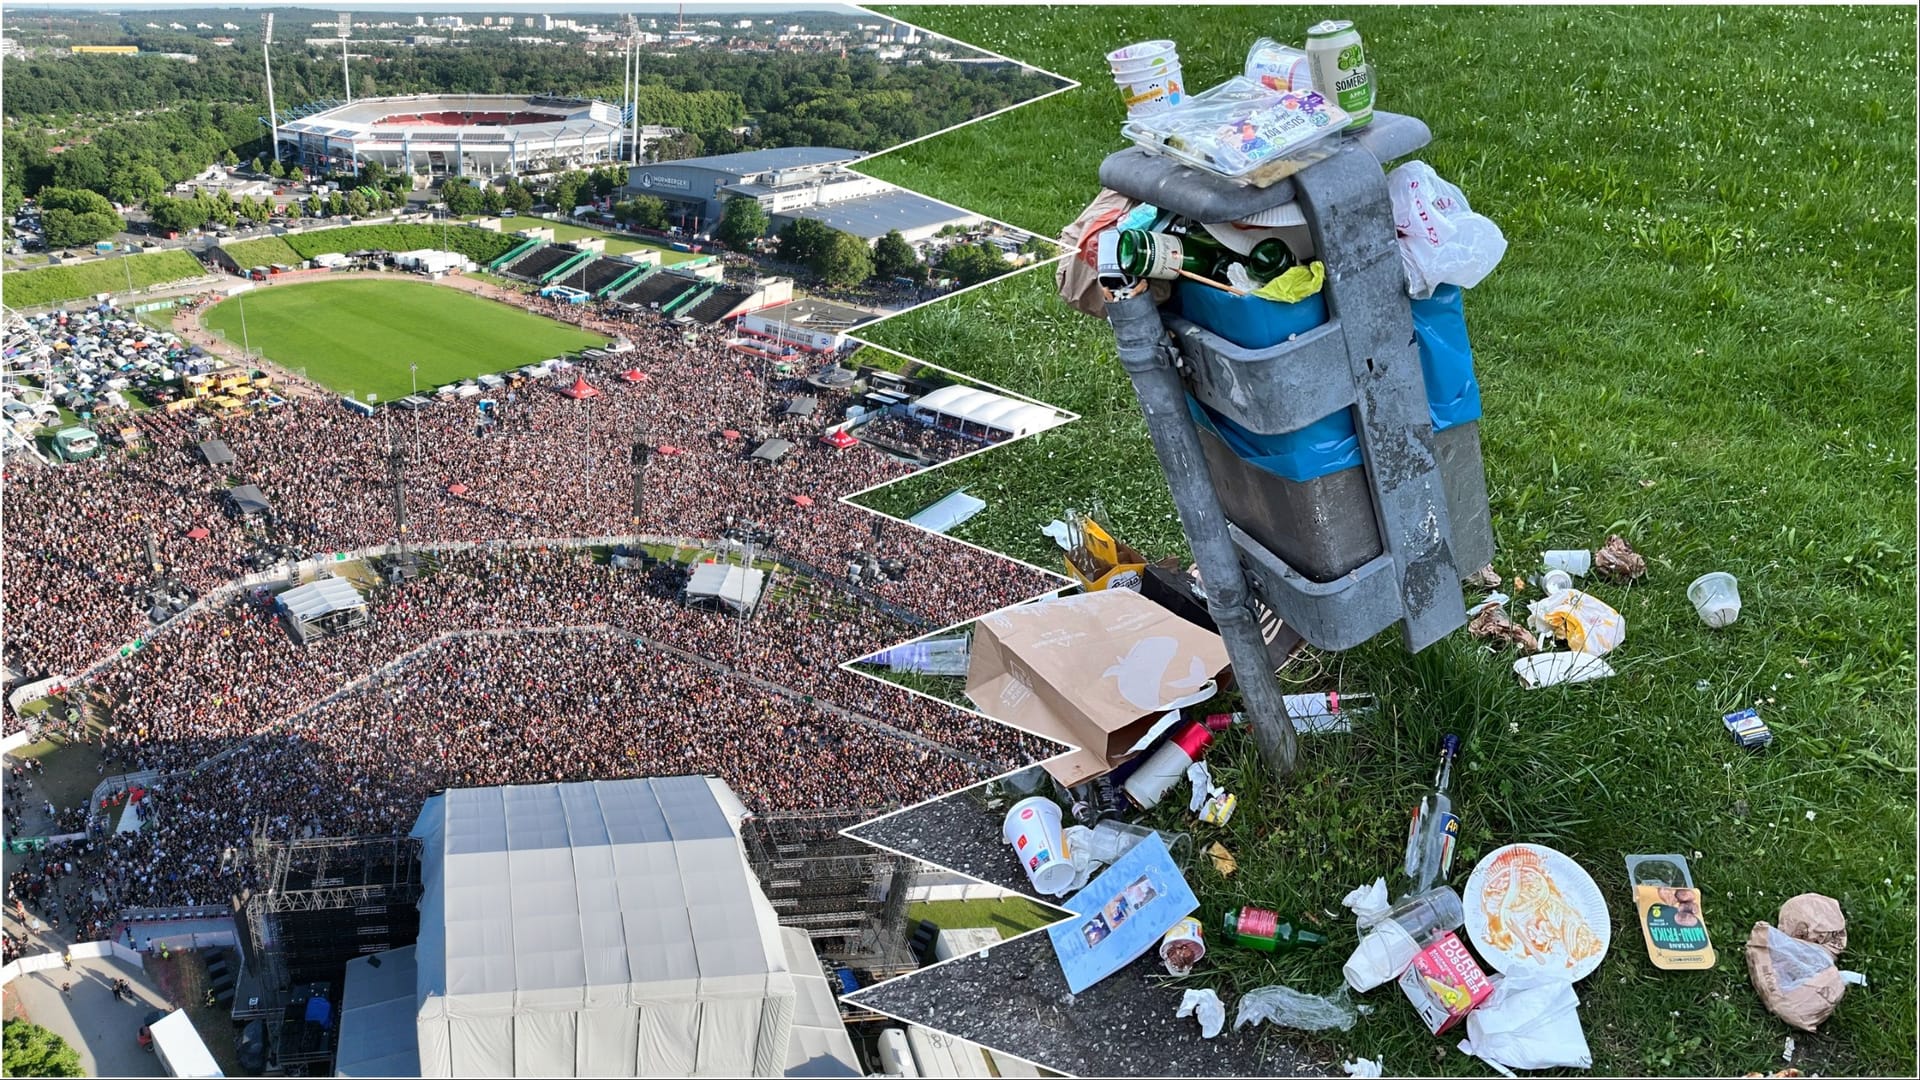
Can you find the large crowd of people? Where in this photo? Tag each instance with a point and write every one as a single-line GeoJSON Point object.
{"type": "Point", "coordinates": [500, 664]}
{"type": "Point", "coordinates": [78, 580]}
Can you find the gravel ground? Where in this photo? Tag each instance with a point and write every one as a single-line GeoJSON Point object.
{"type": "Point", "coordinates": [957, 832]}
{"type": "Point", "coordinates": [1013, 998]}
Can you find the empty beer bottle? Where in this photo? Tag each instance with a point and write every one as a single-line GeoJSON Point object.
{"type": "Point", "coordinates": [1161, 255]}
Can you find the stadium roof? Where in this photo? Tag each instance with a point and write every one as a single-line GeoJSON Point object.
{"type": "Point", "coordinates": [814, 313]}
{"type": "Point", "coordinates": [871, 216]}
{"type": "Point", "coordinates": [607, 928]}
{"type": "Point", "coordinates": [323, 597]}
{"type": "Point", "coordinates": [749, 162]}
{"type": "Point", "coordinates": [989, 409]}
{"type": "Point", "coordinates": [362, 120]}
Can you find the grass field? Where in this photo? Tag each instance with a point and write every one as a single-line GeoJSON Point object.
{"type": "Point", "coordinates": [53, 284]}
{"type": "Point", "coordinates": [357, 337]}
{"type": "Point", "coordinates": [1012, 916]}
{"type": "Point", "coordinates": [1701, 337]}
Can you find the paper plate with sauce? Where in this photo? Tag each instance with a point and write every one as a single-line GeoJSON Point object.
{"type": "Point", "coordinates": [1528, 904]}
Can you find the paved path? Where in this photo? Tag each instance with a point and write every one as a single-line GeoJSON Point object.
{"type": "Point", "coordinates": [104, 1029]}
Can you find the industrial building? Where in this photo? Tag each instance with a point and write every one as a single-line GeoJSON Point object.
{"type": "Point", "coordinates": [790, 183]}
{"type": "Point", "coordinates": [453, 134]}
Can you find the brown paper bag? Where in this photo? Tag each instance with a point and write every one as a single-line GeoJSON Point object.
{"type": "Point", "coordinates": [1094, 671]}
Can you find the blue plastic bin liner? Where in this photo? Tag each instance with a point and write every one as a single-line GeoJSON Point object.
{"type": "Point", "coordinates": [1325, 446]}
{"type": "Point", "coordinates": [1446, 358]}
{"type": "Point", "coordinates": [1251, 322]}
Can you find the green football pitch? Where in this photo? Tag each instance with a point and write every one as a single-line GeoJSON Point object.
{"type": "Point", "coordinates": [357, 337]}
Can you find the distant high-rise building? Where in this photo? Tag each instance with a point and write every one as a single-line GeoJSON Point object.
{"type": "Point", "coordinates": [546, 22]}
{"type": "Point", "coordinates": [419, 20]}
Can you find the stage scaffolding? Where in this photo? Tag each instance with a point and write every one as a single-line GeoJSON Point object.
{"type": "Point", "coordinates": [850, 897]}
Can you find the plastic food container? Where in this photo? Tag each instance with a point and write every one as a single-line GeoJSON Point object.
{"type": "Point", "coordinates": [1243, 132]}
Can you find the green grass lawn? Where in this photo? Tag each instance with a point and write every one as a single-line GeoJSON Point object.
{"type": "Point", "coordinates": [359, 336]}
{"type": "Point", "coordinates": [1701, 337]}
{"type": "Point", "coordinates": [1012, 915]}
{"type": "Point", "coordinates": [53, 284]}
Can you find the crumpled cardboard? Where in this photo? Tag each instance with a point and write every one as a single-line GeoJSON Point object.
{"type": "Point", "coordinates": [1617, 560]}
{"type": "Point", "coordinates": [1093, 671]}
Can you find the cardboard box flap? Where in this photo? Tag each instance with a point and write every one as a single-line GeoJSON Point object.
{"type": "Point", "coordinates": [1093, 671]}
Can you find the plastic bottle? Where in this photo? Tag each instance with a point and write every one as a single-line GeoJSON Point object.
{"type": "Point", "coordinates": [1167, 765]}
{"type": "Point", "coordinates": [1258, 928]}
{"type": "Point", "coordinates": [1431, 835]}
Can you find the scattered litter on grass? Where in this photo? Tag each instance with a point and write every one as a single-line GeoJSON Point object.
{"type": "Point", "coordinates": [1206, 1007]}
{"type": "Point", "coordinates": [1585, 622]}
{"type": "Point", "coordinates": [1531, 1021]}
{"type": "Point", "coordinates": [1486, 577]}
{"type": "Point", "coordinates": [1359, 1068]}
{"type": "Point", "coordinates": [1368, 903]}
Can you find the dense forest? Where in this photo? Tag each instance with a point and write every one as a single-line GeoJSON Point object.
{"type": "Point", "coordinates": [176, 117]}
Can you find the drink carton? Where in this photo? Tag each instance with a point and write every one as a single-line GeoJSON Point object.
{"type": "Point", "coordinates": [1444, 983]}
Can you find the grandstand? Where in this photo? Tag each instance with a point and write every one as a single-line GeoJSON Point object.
{"type": "Point", "coordinates": [596, 276]}
{"type": "Point", "coordinates": [665, 291]}
{"type": "Point", "coordinates": [453, 134]}
{"type": "Point", "coordinates": [720, 304]}
{"type": "Point", "coordinates": [538, 265]}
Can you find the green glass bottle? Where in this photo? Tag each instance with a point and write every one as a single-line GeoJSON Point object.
{"type": "Point", "coordinates": [1268, 260]}
{"type": "Point", "coordinates": [1258, 928]}
{"type": "Point", "coordinates": [1161, 255]}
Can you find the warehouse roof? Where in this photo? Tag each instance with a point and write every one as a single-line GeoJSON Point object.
{"type": "Point", "coordinates": [872, 216]}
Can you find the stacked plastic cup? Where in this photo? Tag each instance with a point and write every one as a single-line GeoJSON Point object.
{"type": "Point", "coordinates": [1148, 75]}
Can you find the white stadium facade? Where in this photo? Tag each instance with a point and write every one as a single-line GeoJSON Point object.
{"type": "Point", "coordinates": [453, 134]}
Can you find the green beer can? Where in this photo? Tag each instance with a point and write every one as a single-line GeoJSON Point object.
{"type": "Point", "coordinates": [1338, 60]}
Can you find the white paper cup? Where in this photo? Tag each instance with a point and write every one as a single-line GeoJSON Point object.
{"type": "Point", "coordinates": [1033, 828]}
{"type": "Point", "coordinates": [1151, 92]}
{"type": "Point", "coordinates": [1576, 563]}
{"type": "Point", "coordinates": [1716, 597]}
{"type": "Point", "coordinates": [1382, 956]}
{"type": "Point", "coordinates": [1140, 52]}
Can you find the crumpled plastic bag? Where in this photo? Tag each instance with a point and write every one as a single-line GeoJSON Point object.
{"type": "Point", "coordinates": [1368, 903]}
{"type": "Point", "coordinates": [1288, 1007]}
{"type": "Point", "coordinates": [1817, 919]}
{"type": "Point", "coordinates": [1206, 1007]}
{"type": "Point", "coordinates": [1078, 276]}
{"type": "Point", "coordinates": [1531, 1021]}
{"type": "Point", "coordinates": [1442, 241]}
{"type": "Point", "coordinates": [1289, 287]}
{"type": "Point", "coordinates": [1364, 1068]}
{"type": "Point", "coordinates": [1797, 980]}
{"type": "Point", "coordinates": [1618, 561]}
{"type": "Point", "coordinates": [1585, 622]}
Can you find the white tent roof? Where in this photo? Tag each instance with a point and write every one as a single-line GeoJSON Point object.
{"type": "Point", "coordinates": [737, 585]}
{"type": "Point", "coordinates": [948, 512]}
{"type": "Point", "coordinates": [377, 1036]}
{"type": "Point", "coordinates": [993, 410]}
{"type": "Point", "coordinates": [609, 928]}
{"type": "Point", "coordinates": [322, 597]}
{"type": "Point", "coordinates": [820, 1045]}
{"type": "Point", "coordinates": [186, 1052]}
